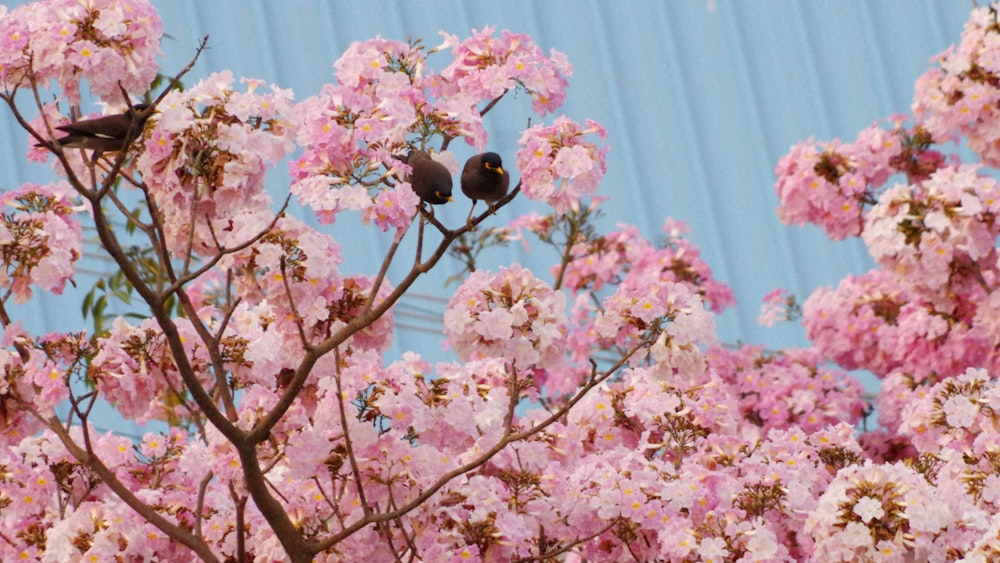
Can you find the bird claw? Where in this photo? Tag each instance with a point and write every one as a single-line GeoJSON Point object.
{"type": "Point", "coordinates": [468, 219]}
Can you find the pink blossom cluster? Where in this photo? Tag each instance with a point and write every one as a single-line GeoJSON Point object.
{"type": "Point", "coordinates": [33, 377]}
{"type": "Point", "coordinates": [831, 183]}
{"type": "Point", "coordinates": [959, 96]}
{"type": "Point", "coordinates": [665, 318]}
{"type": "Point", "coordinates": [778, 304]}
{"type": "Point", "coordinates": [943, 502]}
{"type": "Point", "coordinates": [559, 165]}
{"type": "Point", "coordinates": [135, 369]}
{"type": "Point", "coordinates": [40, 239]}
{"type": "Point", "coordinates": [711, 483]}
{"type": "Point", "coordinates": [47, 494]}
{"type": "Point", "coordinates": [629, 298]}
{"type": "Point", "coordinates": [709, 486]}
{"type": "Point", "coordinates": [870, 322]}
{"type": "Point", "coordinates": [938, 236]}
{"type": "Point", "coordinates": [105, 42]}
{"type": "Point", "coordinates": [957, 413]}
{"type": "Point", "coordinates": [694, 493]}
{"type": "Point", "coordinates": [205, 157]}
{"type": "Point", "coordinates": [788, 388]}
{"type": "Point", "coordinates": [511, 315]}
{"type": "Point", "coordinates": [890, 512]}
{"type": "Point", "coordinates": [594, 263]}
{"type": "Point", "coordinates": [486, 67]}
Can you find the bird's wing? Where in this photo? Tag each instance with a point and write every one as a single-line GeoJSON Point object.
{"type": "Point", "coordinates": [107, 127]}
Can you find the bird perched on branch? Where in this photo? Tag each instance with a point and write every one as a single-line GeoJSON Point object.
{"type": "Point", "coordinates": [104, 134]}
{"type": "Point", "coordinates": [484, 178]}
{"type": "Point", "coordinates": [430, 179]}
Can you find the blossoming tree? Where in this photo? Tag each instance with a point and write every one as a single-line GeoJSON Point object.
{"type": "Point", "coordinates": [292, 436]}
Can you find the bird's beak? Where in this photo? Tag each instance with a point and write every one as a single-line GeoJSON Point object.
{"type": "Point", "coordinates": [492, 168]}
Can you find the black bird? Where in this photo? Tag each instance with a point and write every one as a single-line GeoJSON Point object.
{"type": "Point", "coordinates": [429, 178]}
{"type": "Point", "coordinates": [484, 178]}
{"type": "Point", "coordinates": [104, 134]}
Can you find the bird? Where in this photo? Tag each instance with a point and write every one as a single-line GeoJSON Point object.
{"type": "Point", "coordinates": [483, 177]}
{"type": "Point", "coordinates": [104, 134]}
{"type": "Point", "coordinates": [430, 179]}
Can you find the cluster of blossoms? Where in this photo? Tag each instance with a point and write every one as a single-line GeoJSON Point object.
{"type": "Point", "coordinates": [559, 165]}
{"type": "Point", "coordinates": [602, 260]}
{"type": "Point", "coordinates": [34, 373]}
{"type": "Point", "coordinates": [959, 97]}
{"type": "Point", "coordinates": [40, 239]}
{"type": "Point", "coordinates": [485, 67]}
{"type": "Point", "coordinates": [666, 318]}
{"type": "Point", "coordinates": [942, 503]}
{"type": "Point", "coordinates": [925, 323]}
{"type": "Point", "coordinates": [135, 368]}
{"type": "Point", "coordinates": [870, 322]}
{"type": "Point", "coordinates": [629, 296]}
{"type": "Point", "coordinates": [830, 184]}
{"type": "Point", "coordinates": [958, 413]}
{"type": "Point", "coordinates": [939, 234]}
{"type": "Point", "coordinates": [354, 127]}
{"type": "Point", "coordinates": [511, 315]}
{"type": "Point", "coordinates": [778, 304]}
{"type": "Point", "coordinates": [790, 388]}
{"type": "Point", "coordinates": [205, 157]}
{"type": "Point", "coordinates": [111, 44]}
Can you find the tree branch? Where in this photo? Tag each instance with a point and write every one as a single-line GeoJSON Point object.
{"type": "Point", "coordinates": [92, 462]}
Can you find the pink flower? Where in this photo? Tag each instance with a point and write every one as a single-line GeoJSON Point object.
{"type": "Point", "coordinates": [214, 194]}
{"type": "Point", "coordinates": [775, 307]}
{"type": "Point", "coordinates": [486, 66]}
{"type": "Point", "coordinates": [40, 239]}
{"type": "Point", "coordinates": [105, 43]}
{"type": "Point", "coordinates": [573, 161]}
{"type": "Point", "coordinates": [847, 524]}
{"type": "Point", "coordinates": [830, 184]}
{"type": "Point", "coordinates": [558, 165]}
{"type": "Point", "coordinates": [960, 96]}
{"type": "Point", "coordinates": [393, 208]}
{"type": "Point", "coordinates": [510, 315]}
{"type": "Point", "coordinates": [932, 233]}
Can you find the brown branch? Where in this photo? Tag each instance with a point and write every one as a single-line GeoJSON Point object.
{"type": "Point", "coordinates": [297, 549]}
{"type": "Point", "coordinates": [567, 255]}
{"type": "Point", "coordinates": [384, 270]}
{"type": "Point", "coordinates": [492, 103]}
{"type": "Point", "coordinates": [355, 469]}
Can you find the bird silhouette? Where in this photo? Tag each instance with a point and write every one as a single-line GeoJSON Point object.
{"type": "Point", "coordinates": [483, 178]}
{"type": "Point", "coordinates": [430, 179]}
{"type": "Point", "coordinates": [104, 134]}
